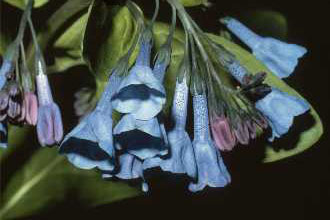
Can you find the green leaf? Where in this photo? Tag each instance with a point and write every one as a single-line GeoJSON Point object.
{"type": "Point", "coordinates": [47, 179]}
{"type": "Point", "coordinates": [21, 3]}
{"type": "Point", "coordinates": [191, 3]}
{"type": "Point", "coordinates": [109, 34]}
{"type": "Point", "coordinates": [56, 27]}
{"type": "Point", "coordinates": [69, 45]}
{"type": "Point", "coordinates": [307, 138]}
{"type": "Point", "coordinates": [259, 21]}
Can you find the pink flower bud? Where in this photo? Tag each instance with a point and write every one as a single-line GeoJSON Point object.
{"type": "Point", "coordinates": [242, 133]}
{"type": "Point", "coordinates": [31, 108]}
{"type": "Point", "coordinates": [223, 136]}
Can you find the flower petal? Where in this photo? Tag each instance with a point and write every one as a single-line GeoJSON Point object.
{"type": "Point", "coordinates": [143, 139]}
{"type": "Point", "coordinates": [140, 94]}
{"type": "Point", "coordinates": [82, 149]}
{"type": "Point", "coordinates": [280, 109]}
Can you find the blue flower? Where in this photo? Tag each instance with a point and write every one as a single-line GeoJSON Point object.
{"type": "Point", "coordinates": [3, 135]}
{"type": "Point", "coordinates": [280, 57]}
{"type": "Point", "coordinates": [211, 170]}
{"type": "Point", "coordinates": [181, 158]}
{"type": "Point", "coordinates": [49, 123]}
{"type": "Point", "coordinates": [140, 94]}
{"type": "Point", "coordinates": [144, 139]}
{"type": "Point", "coordinates": [280, 108]}
{"type": "Point", "coordinates": [90, 144]}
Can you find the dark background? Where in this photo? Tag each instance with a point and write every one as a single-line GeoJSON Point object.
{"type": "Point", "coordinates": [294, 188]}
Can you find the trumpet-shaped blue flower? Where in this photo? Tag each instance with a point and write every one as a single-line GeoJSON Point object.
{"type": "Point", "coordinates": [211, 170]}
{"type": "Point", "coordinates": [140, 94]}
{"type": "Point", "coordinates": [181, 158]}
{"type": "Point", "coordinates": [90, 144]}
{"type": "Point", "coordinates": [280, 108]}
{"type": "Point", "coordinates": [280, 57]}
{"type": "Point", "coordinates": [3, 135]}
{"type": "Point", "coordinates": [144, 139]}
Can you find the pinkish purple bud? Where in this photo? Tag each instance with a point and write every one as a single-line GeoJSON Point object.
{"type": "Point", "coordinates": [223, 136]}
{"type": "Point", "coordinates": [49, 125]}
{"type": "Point", "coordinates": [31, 108]}
{"type": "Point", "coordinates": [242, 133]}
{"type": "Point", "coordinates": [252, 126]}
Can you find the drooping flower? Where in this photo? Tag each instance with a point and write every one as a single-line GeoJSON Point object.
{"type": "Point", "coordinates": [280, 57]}
{"type": "Point", "coordinates": [181, 158]}
{"type": "Point", "coordinates": [144, 139]}
{"type": "Point", "coordinates": [211, 170]}
{"type": "Point", "coordinates": [90, 143]}
{"type": "Point", "coordinates": [223, 136]}
{"type": "Point", "coordinates": [280, 108]}
{"type": "Point", "coordinates": [140, 94]}
{"type": "Point", "coordinates": [49, 125]}
{"type": "Point", "coordinates": [3, 135]}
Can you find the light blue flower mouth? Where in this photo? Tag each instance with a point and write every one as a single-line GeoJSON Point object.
{"type": "Point", "coordinates": [90, 145]}
{"type": "Point", "coordinates": [281, 58]}
{"type": "Point", "coordinates": [280, 108]}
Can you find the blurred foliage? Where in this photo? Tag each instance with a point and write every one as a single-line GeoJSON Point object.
{"type": "Point", "coordinates": [96, 35]}
{"type": "Point", "coordinates": [21, 3]}
{"type": "Point", "coordinates": [190, 3]}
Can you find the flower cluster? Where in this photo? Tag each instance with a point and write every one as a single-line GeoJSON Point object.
{"type": "Point", "coordinates": [19, 103]}
{"type": "Point", "coordinates": [225, 115]}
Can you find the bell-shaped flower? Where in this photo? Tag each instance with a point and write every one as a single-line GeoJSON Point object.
{"type": "Point", "coordinates": [280, 57]}
{"type": "Point", "coordinates": [49, 125]}
{"type": "Point", "coordinates": [223, 136]}
{"type": "Point", "coordinates": [211, 170]}
{"type": "Point", "coordinates": [144, 139]}
{"type": "Point", "coordinates": [3, 135]}
{"type": "Point", "coordinates": [280, 108]}
{"type": "Point", "coordinates": [181, 158]}
{"type": "Point", "coordinates": [90, 143]}
{"type": "Point", "coordinates": [140, 94]}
